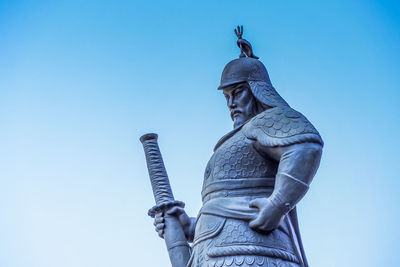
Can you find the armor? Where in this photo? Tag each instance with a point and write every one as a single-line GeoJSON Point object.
{"type": "Point", "coordinates": [236, 174]}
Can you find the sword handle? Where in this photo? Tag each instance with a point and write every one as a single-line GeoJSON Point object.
{"type": "Point", "coordinates": [177, 245]}
{"type": "Point", "coordinates": [157, 172]}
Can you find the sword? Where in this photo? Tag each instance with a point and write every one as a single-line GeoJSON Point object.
{"type": "Point", "coordinates": [177, 245]}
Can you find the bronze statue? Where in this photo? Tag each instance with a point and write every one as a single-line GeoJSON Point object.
{"type": "Point", "coordinates": [258, 173]}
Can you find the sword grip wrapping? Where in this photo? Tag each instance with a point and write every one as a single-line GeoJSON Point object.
{"type": "Point", "coordinates": [174, 236]}
{"type": "Point", "coordinates": [157, 172]}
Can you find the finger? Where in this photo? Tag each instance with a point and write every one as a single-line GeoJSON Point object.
{"type": "Point", "coordinates": [266, 227]}
{"type": "Point", "coordinates": [158, 220]}
{"type": "Point", "coordinates": [255, 223]}
{"type": "Point", "coordinates": [160, 226]}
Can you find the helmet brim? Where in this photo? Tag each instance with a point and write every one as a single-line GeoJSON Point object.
{"type": "Point", "coordinates": [226, 84]}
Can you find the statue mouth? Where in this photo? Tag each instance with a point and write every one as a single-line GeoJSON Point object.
{"type": "Point", "coordinates": [235, 113]}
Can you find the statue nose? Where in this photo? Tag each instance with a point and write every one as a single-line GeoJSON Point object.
{"type": "Point", "coordinates": [231, 103]}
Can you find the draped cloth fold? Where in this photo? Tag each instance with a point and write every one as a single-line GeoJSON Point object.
{"type": "Point", "coordinates": [235, 207]}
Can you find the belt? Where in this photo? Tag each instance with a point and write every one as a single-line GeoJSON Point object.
{"type": "Point", "coordinates": [238, 187]}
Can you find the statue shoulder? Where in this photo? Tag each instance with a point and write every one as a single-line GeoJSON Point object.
{"type": "Point", "coordinates": [281, 126]}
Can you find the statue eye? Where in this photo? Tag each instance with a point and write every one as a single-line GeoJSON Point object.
{"type": "Point", "coordinates": [238, 91]}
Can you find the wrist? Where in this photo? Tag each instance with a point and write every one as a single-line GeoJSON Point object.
{"type": "Point", "coordinates": [280, 205]}
{"type": "Point", "coordinates": [288, 192]}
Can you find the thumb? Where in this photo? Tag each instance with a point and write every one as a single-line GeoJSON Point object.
{"type": "Point", "coordinates": [175, 211]}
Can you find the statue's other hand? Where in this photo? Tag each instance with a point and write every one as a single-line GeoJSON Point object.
{"type": "Point", "coordinates": [186, 222]}
{"type": "Point", "coordinates": [269, 216]}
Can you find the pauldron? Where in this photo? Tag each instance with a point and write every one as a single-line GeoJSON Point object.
{"type": "Point", "coordinates": [281, 126]}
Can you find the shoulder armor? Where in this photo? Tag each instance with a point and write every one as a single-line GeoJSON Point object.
{"type": "Point", "coordinates": [281, 126]}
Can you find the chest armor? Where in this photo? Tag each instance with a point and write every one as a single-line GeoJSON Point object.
{"type": "Point", "coordinates": [236, 159]}
{"type": "Point", "coordinates": [225, 239]}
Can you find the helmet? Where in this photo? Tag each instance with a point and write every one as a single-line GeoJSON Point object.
{"type": "Point", "coordinates": [242, 70]}
{"type": "Point", "coordinates": [249, 69]}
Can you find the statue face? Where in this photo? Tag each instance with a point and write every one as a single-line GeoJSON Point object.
{"type": "Point", "coordinates": [241, 103]}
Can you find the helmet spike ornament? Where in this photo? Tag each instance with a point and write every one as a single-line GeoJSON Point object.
{"type": "Point", "coordinates": [245, 47]}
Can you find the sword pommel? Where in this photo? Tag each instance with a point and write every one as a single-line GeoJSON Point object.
{"type": "Point", "coordinates": [148, 136]}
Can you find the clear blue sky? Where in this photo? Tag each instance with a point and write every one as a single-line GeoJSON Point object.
{"type": "Point", "coordinates": [81, 81]}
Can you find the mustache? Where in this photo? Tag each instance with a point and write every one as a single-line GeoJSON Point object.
{"type": "Point", "coordinates": [233, 112]}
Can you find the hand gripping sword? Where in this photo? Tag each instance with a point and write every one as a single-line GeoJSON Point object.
{"type": "Point", "coordinates": [177, 245]}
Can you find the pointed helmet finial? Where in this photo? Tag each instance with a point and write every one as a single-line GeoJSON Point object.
{"type": "Point", "coordinates": [244, 45]}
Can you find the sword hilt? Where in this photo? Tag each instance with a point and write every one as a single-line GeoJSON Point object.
{"type": "Point", "coordinates": [158, 176]}
{"type": "Point", "coordinates": [157, 172]}
{"type": "Point", "coordinates": [174, 236]}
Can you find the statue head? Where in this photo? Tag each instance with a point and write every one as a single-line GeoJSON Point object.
{"type": "Point", "coordinates": [241, 103]}
{"type": "Point", "coordinates": [250, 74]}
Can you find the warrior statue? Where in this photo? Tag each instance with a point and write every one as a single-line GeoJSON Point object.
{"type": "Point", "coordinates": [258, 173]}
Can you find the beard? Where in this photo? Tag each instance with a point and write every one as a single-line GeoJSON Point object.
{"type": "Point", "coordinates": [252, 108]}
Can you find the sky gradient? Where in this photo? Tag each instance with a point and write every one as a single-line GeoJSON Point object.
{"type": "Point", "coordinates": [81, 81]}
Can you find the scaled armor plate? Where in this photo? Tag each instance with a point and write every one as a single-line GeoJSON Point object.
{"type": "Point", "coordinates": [281, 126]}
{"type": "Point", "coordinates": [237, 174]}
